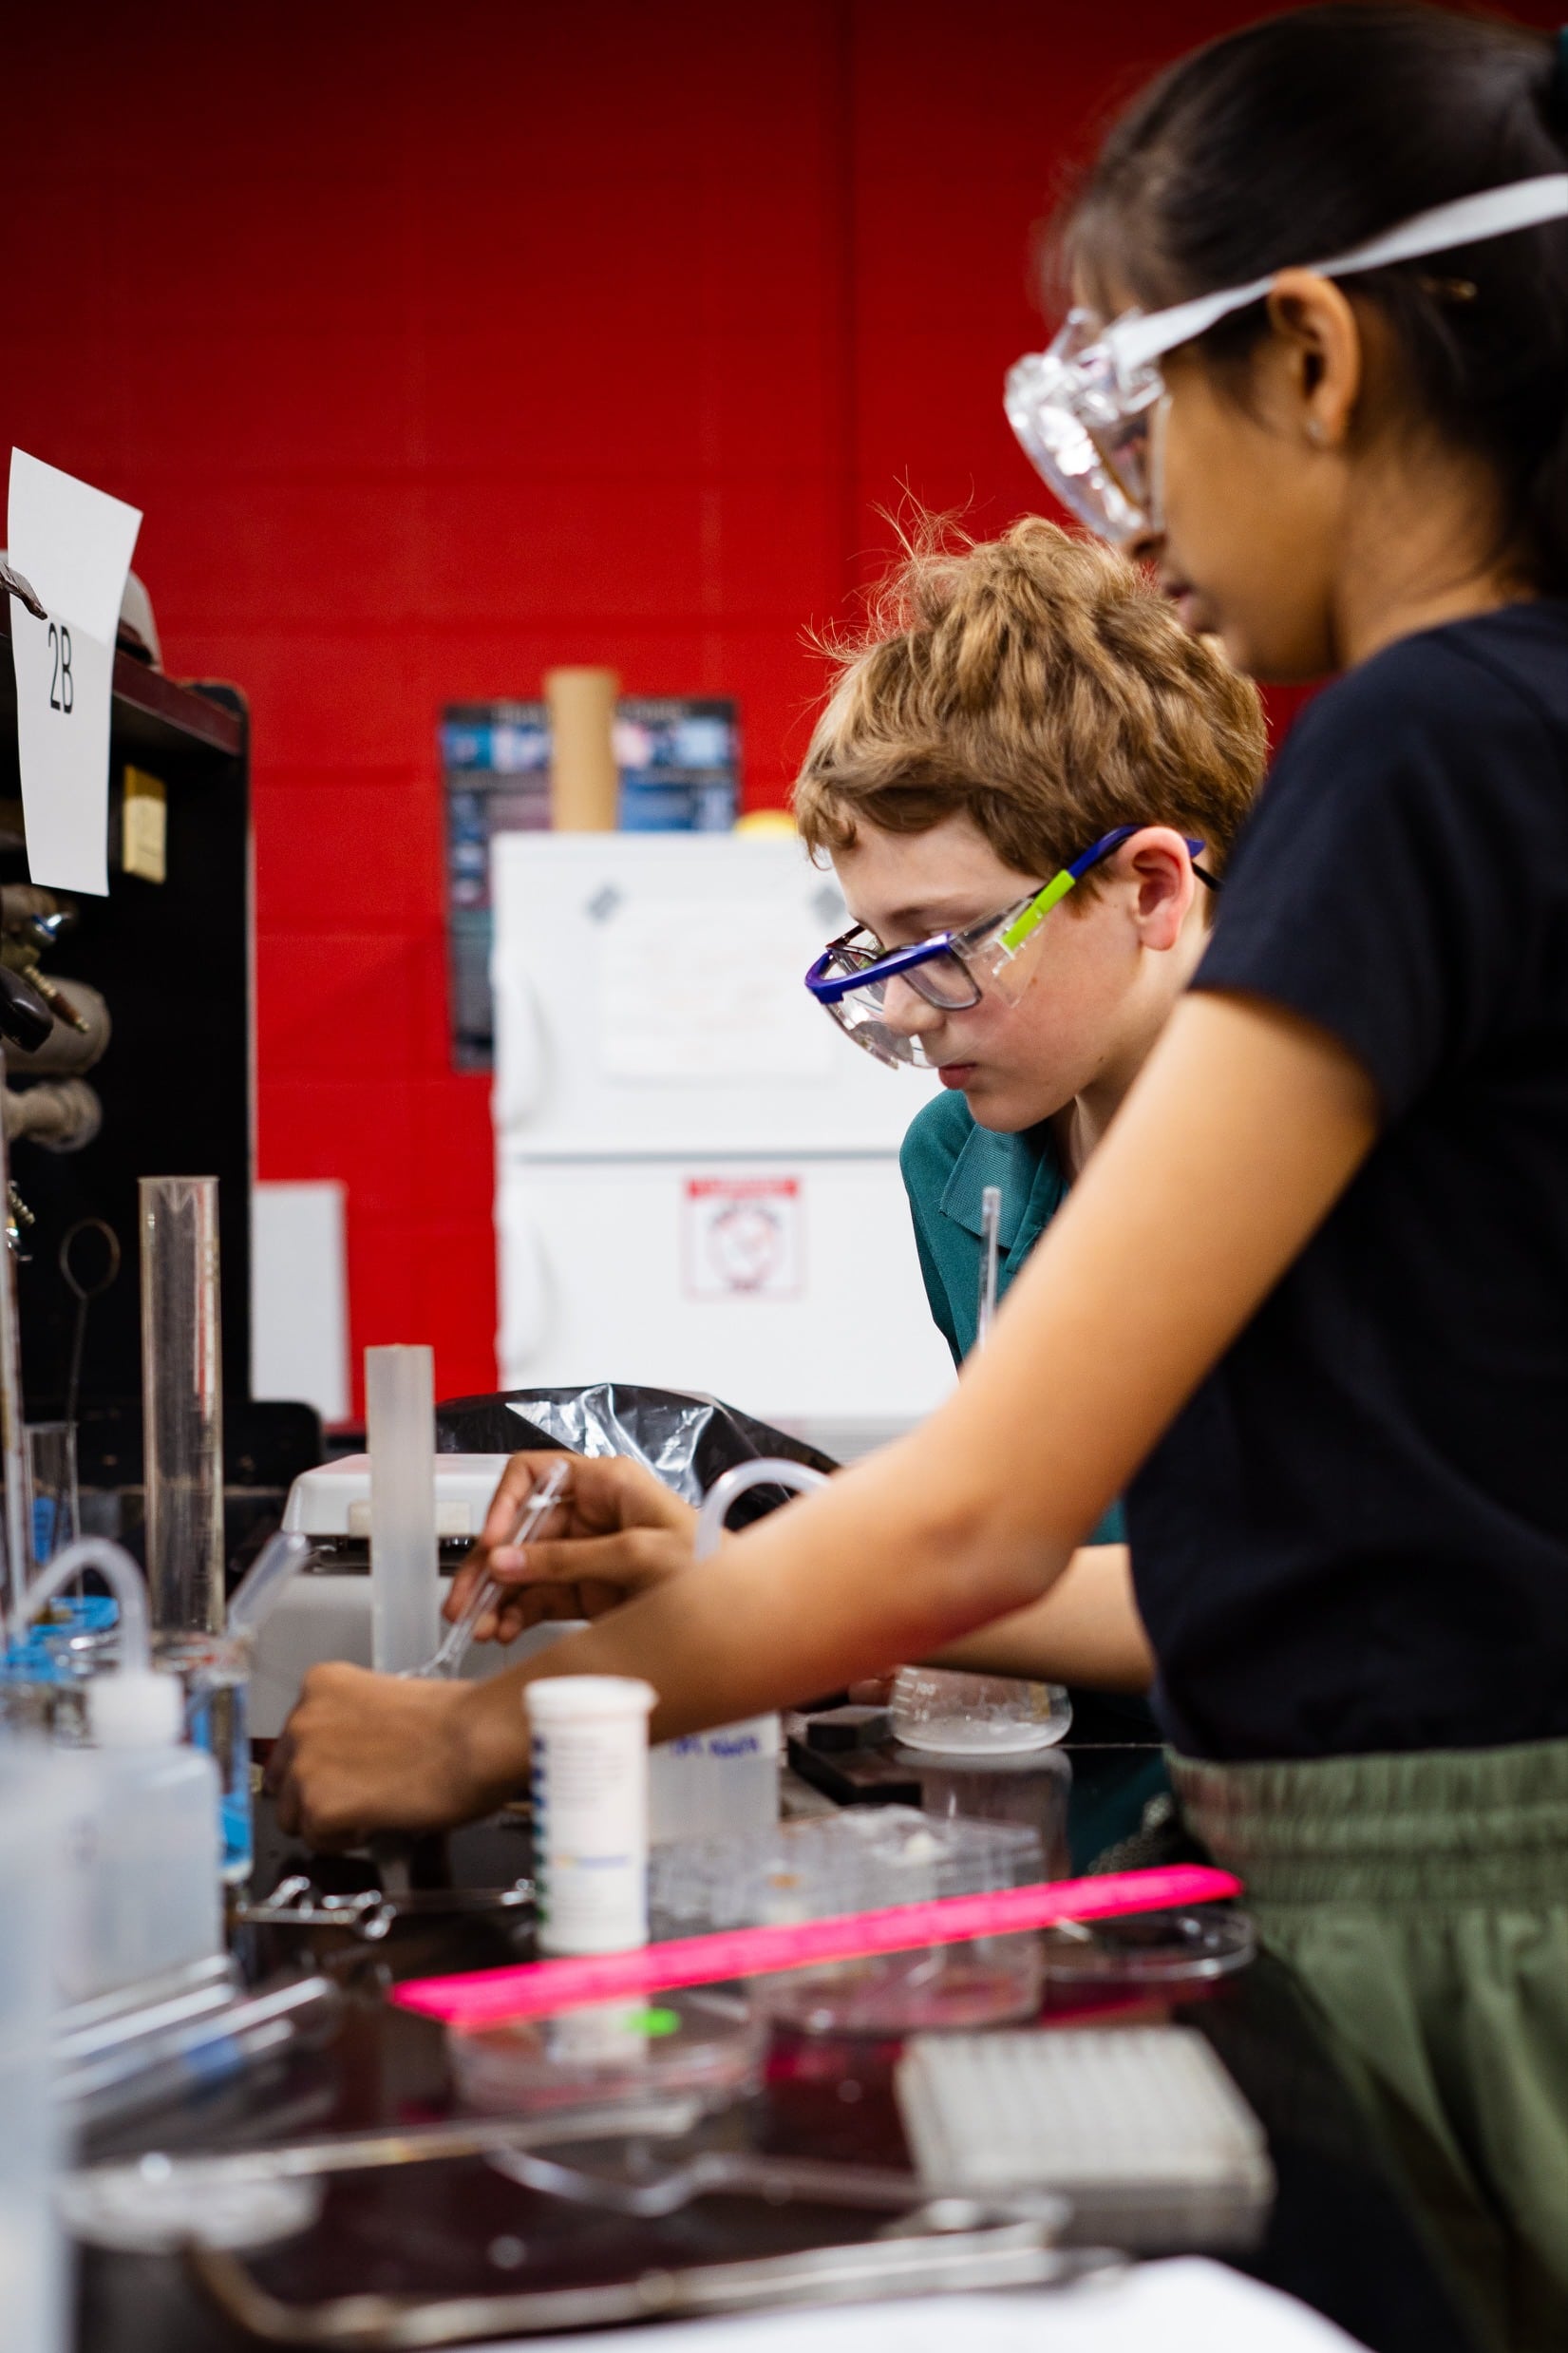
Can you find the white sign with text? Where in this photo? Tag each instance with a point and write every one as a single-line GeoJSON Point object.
{"type": "Point", "coordinates": [73, 545]}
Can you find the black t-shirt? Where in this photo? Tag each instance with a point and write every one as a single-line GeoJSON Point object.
{"type": "Point", "coordinates": [1355, 1536]}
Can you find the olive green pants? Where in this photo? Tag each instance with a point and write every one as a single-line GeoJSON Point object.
{"type": "Point", "coordinates": [1421, 1902]}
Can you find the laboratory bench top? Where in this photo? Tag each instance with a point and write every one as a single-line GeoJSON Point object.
{"type": "Point", "coordinates": [1340, 2235]}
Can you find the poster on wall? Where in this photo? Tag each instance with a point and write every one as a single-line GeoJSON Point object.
{"type": "Point", "coordinates": [679, 762]}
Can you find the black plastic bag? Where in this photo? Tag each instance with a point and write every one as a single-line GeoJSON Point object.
{"type": "Point", "coordinates": [686, 1439]}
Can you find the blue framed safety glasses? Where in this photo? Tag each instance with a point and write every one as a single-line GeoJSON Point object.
{"type": "Point", "coordinates": [952, 970]}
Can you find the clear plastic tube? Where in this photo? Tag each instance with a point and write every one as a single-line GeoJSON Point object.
{"type": "Point", "coordinates": [262, 1588]}
{"type": "Point", "coordinates": [118, 1572]}
{"type": "Point", "coordinates": [400, 1428]}
{"type": "Point", "coordinates": [182, 1402]}
{"type": "Point", "coordinates": [726, 1780]}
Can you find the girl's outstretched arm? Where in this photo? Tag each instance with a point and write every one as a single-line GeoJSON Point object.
{"type": "Point", "coordinates": [1245, 1127]}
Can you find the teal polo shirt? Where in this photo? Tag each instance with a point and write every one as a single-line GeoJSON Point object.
{"type": "Point", "coordinates": [947, 1161]}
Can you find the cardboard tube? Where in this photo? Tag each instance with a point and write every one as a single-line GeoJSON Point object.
{"type": "Point", "coordinates": [584, 788]}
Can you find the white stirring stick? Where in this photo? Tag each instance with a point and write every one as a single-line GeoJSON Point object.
{"type": "Point", "coordinates": [487, 1592]}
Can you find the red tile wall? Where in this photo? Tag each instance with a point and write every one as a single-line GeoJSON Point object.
{"type": "Point", "coordinates": [441, 344]}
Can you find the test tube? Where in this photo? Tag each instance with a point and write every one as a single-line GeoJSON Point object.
{"type": "Point", "coordinates": [182, 1403]}
{"type": "Point", "coordinates": [399, 1427]}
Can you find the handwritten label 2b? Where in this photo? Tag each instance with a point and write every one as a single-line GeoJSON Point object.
{"type": "Point", "coordinates": [74, 544]}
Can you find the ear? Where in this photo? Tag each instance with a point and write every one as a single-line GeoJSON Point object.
{"type": "Point", "coordinates": [1156, 862]}
{"type": "Point", "coordinates": [1318, 360]}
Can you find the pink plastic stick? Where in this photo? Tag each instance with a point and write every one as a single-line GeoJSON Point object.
{"type": "Point", "coordinates": [535, 1989]}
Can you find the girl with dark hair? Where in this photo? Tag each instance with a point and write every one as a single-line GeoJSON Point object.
{"type": "Point", "coordinates": [1315, 1282]}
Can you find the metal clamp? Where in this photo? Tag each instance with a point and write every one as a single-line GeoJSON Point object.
{"type": "Point", "coordinates": [370, 1914]}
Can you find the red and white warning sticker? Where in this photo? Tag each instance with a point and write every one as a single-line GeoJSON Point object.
{"type": "Point", "coordinates": [742, 1237]}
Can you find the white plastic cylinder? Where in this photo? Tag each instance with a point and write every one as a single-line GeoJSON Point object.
{"type": "Point", "coordinates": [182, 1402]}
{"type": "Point", "coordinates": [399, 1427]}
{"type": "Point", "coordinates": [590, 1792]}
{"type": "Point", "coordinates": [32, 2258]}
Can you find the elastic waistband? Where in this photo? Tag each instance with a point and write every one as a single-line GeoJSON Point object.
{"type": "Point", "coordinates": [1437, 1825]}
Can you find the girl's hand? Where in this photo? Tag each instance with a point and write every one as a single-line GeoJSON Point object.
{"type": "Point", "coordinates": [617, 1532]}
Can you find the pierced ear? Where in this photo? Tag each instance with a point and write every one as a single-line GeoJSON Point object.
{"type": "Point", "coordinates": [1314, 319]}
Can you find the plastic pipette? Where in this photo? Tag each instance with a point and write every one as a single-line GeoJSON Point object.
{"type": "Point", "coordinates": [454, 1649]}
{"type": "Point", "coordinates": [536, 1989]}
{"type": "Point", "coordinates": [991, 1229]}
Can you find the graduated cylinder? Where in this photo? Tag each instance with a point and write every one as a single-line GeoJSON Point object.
{"type": "Point", "coordinates": [182, 1402]}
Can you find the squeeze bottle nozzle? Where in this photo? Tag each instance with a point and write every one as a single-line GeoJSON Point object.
{"type": "Point", "coordinates": [138, 1708]}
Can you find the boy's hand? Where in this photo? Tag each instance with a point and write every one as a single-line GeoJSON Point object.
{"type": "Point", "coordinates": [618, 1530]}
{"type": "Point", "coordinates": [363, 1753]}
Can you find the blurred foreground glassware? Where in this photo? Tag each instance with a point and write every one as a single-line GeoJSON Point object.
{"type": "Point", "coordinates": [955, 1715]}
{"type": "Point", "coordinates": [32, 2267]}
{"type": "Point", "coordinates": [182, 1402]}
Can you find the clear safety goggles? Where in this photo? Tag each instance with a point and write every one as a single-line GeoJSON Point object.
{"type": "Point", "coordinates": [952, 970]}
{"type": "Point", "coordinates": [1089, 411]}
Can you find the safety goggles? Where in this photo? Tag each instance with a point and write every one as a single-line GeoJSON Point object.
{"type": "Point", "coordinates": [952, 970]}
{"type": "Point", "coordinates": [1089, 412]}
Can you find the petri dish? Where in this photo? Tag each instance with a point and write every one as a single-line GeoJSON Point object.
{"type": "Point", "coordinates": [1148, 1949]}
{"type": "Point", "coordinates": [699, 2042]}
{"type": "Point", "coordinates": [153, 2208]}
{"type": "Point", "coordinates": [953, 1714]}
{"type": "Point", "coordinates": [991, 1980]}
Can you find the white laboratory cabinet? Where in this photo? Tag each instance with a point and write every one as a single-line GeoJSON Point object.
{"type": "Point", "coordinates": [697, 1176]}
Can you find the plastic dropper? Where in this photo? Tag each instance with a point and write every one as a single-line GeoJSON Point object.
{"type": "Point", "coordinates": [454, 1648]}
{"type": "Point", "coordinates": [990, 1230]}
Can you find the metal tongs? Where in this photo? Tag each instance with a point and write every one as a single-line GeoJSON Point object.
{"type": "Point", "coordinates": [935, 2244]}
{"type": "Point", "coordinates": [1014, 2254]}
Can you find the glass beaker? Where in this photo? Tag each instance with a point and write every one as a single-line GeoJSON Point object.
{"type": "Point", "coordinates": [214, 1671]}
{"type": "Point", "coordinates": [955, 1715]}
{"type": "Point", "coordinates": [54, 1507]}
